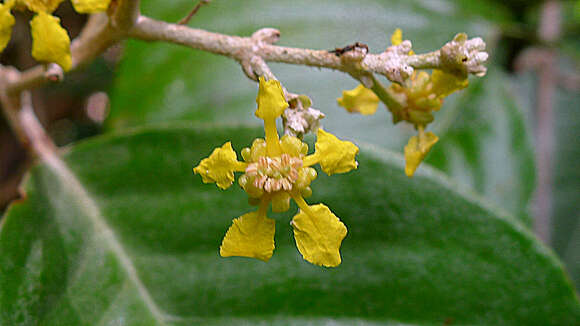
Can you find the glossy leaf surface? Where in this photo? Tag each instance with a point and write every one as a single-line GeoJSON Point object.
{"type": "Point", "coordinates": [123, 233]}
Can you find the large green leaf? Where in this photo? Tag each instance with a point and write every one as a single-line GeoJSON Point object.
{"type": "Point", "coordinates": [163, 82]}
{"type": "Point", "coordinates": [122, 233]}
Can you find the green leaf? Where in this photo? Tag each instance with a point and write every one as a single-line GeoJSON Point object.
{"type": "Point", "coordinates": [484, 143]}
{"type": "Point", "coordinates": [121, 232]}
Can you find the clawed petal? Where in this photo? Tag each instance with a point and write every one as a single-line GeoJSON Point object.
{"type": "Point", "coordinates": [6, 23]}
{"type": "Point", "coordinates": [445, 83]}
{"type": "Point", "coordinates": [90, 6]}
{"type": "Point", "coordinates": [251, 235]}
{"type": "Point", "coordinates": [219, 167]}
{"type": "Point", "coordinates": [271, 102]}
{"type": "Point", "coordinates": [50, 42]}
{"type": "Point", "coordinates": [46, 6]}
{"type": "Point", "coordinates": [416, 150]}
{"type": "Point", "coordinates": [335, 155]}
{"type": "Point", "coordinates": [359, 100]}
{"type": "Point", "coordinates": [319, 234]}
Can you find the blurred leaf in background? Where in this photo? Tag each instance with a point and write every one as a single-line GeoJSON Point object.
{"type": "Point", "coordinates": [566, 152]}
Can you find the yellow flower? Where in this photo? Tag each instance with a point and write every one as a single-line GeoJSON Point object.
{"type": "Point", "coordinates": [420, 96]}
{"type": "Point", "coordinates": [275, 171]}
{"type": "Point", "coordinates": [50, 42]}
{"type": "Point", "coordinates": [360, 100]}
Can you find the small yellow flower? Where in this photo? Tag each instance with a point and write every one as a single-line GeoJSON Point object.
{"type": "Point", "coordinates": [50, 42]}
{"type": "Point", "coordinates": [423, 94]}
{"type": "Point", "coordinates": [359, 100]}
{"type": "Point", "coordinates": [420, 95]}
{"type": "Point", "coordinates": [275, 171]}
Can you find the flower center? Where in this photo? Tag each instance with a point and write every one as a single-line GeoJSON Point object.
{"type": "Point", "coordinates": [274, 174]}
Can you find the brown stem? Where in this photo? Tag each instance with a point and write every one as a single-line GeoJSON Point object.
{"type": "Point", "coordinates": [185, 20]}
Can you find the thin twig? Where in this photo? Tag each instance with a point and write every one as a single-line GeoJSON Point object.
{"type": "Point", "coordinates": [185, 20]}
{"type": "Point", "coordinates": [240, 48]}
{"type": "Point", "coordinates": [22, 119]}
{"type": "Point", "coordinates": [100, 32]}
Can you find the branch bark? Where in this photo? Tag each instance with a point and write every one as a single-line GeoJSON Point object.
{"type": "Point", "coordinates": [20, 115]}
{"type": "Point", "coordinates": [100, 32]}
{"type": "Point", "coordinates": [393, 63]}
{"type": "Point", "coordinates": [123, 20]}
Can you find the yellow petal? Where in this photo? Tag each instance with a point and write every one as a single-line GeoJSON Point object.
{"type": "Point", "coordinates": [38, 6]}
{"type": "Point", "coordinates": [318, 234]}
{"type": "Point", "coordinates": [335, 155]}
{"type": "Point", "coordinates": [50, 42]}
{"type": "Point", "coordinates": [445, 84]}
{"type": "Point", "coordinates": [397, 37]}
{"type": "Point", "coordinates": [6, 23]}
{"type": "Point", "coordinates": [416, 150]}
{"type": "Point", "coordinates": [219, 167]}
{"type": "Point", "coordinates": [271, 102]}
{"type": "Point", "coordinates": [251, 235]}
{"type": "Point", "coordinates": [90, 6]}
{"type": "Point", "coordinates": [359, 100]}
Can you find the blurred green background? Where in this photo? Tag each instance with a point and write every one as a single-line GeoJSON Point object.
{"type": "Point", "coordinates": [487, 131]}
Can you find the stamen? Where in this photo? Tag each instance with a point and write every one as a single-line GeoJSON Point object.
{"type": "Point", "coordinates": [274, 174]}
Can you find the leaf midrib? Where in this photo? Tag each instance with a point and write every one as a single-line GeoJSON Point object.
{"type": "Point", "coordinates": [92, 211]}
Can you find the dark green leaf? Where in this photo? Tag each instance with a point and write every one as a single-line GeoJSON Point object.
{"type": "Point", "coordinates": [127, 235]}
